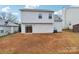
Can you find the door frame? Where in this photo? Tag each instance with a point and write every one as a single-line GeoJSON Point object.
{"type": "Point", "coordinates": [28, 29]}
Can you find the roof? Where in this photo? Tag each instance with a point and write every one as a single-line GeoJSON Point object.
{"type": "Point", "coordinates": [2, 23]}
{"type": "Point", "coordinates": [37, 23]}
{"type": "Point", "coordinates": [36, 10]}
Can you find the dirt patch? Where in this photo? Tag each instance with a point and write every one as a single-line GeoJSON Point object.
{"type": "Point", "coordinates": [39, 43]}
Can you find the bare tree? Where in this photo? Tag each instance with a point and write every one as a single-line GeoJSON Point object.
{"type": "Point", "coordinates": [8, 17]}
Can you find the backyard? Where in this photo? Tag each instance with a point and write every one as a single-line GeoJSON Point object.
{"type": "Point", "coordinates": [65, 42]}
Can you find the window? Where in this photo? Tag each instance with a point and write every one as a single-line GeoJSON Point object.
{"type": "Point", "coordinates": [40, 16]}
{"type": "Point", "coordinates": [1, 31]}
{"type": "Point", "coordinates": [50, 16]}
{"type": "Point", "coordinates": [6, 22]}
{"type": "Point", "coordinates": [57, 20]}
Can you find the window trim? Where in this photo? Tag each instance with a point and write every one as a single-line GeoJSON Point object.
{"type": "Point", "coordinates": [40, 16]}
{"type": "Point", "coordinates": [50, 16]}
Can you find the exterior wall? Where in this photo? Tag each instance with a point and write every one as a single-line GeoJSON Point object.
{"type": "Point", "coordinates": [64, 18]}
{"type": "Point", "coordinates": [32, 17]}
{"type": "Point", "coordinates": [2, 28]}
{"type": "Point", "coordinates": [8, 30]}
{"type": "Point", "coordinates": [22, 28]}
{"type": "Point", "coordinates": [70, 16]}
{"type": "Point", "coordinates": [42, 28]}
{"type": "Point", "coordinates": [58, 26]}
{"type": "Point", "coordinates": [14, 29]}
{"type": "Point", "coordinates": [38, 28]}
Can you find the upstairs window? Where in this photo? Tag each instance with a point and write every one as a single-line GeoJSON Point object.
{"type": "Point", "coordinates": [40, 16]}
{"type": "Point", "coordinates": [50, 16]}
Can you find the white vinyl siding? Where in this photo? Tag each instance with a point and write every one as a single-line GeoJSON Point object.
{"type": "Point", "coordinates": [38, 28]}
{"type": "Point", "coordinates": [33, 17]}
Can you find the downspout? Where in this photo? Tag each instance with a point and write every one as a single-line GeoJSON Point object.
{"type": "Point", "coordinates": [65, 19]}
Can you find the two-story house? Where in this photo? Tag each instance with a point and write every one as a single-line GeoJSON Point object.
{"type": "Point", "coordinates": [37, 21]}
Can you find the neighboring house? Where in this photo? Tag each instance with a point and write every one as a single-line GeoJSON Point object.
{"type": "Point", "coordinates": [70, 16]}
{"type": "Point", "coordinates": [7, 27]}
{"type": "Point", "coordinates": [38, 21]}
{"type": "Point", "coordinates": [57, 23]}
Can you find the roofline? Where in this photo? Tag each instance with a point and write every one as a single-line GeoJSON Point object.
{"type": "Point", "coordinates": [8, 26]}
{"type": "Point", "coordinates": [36, 23]}
{"type": "Point", "coordinates": [36, 10]}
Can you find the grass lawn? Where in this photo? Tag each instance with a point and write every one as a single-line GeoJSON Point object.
{"type": "Point", "coordinates": [65, 42]}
